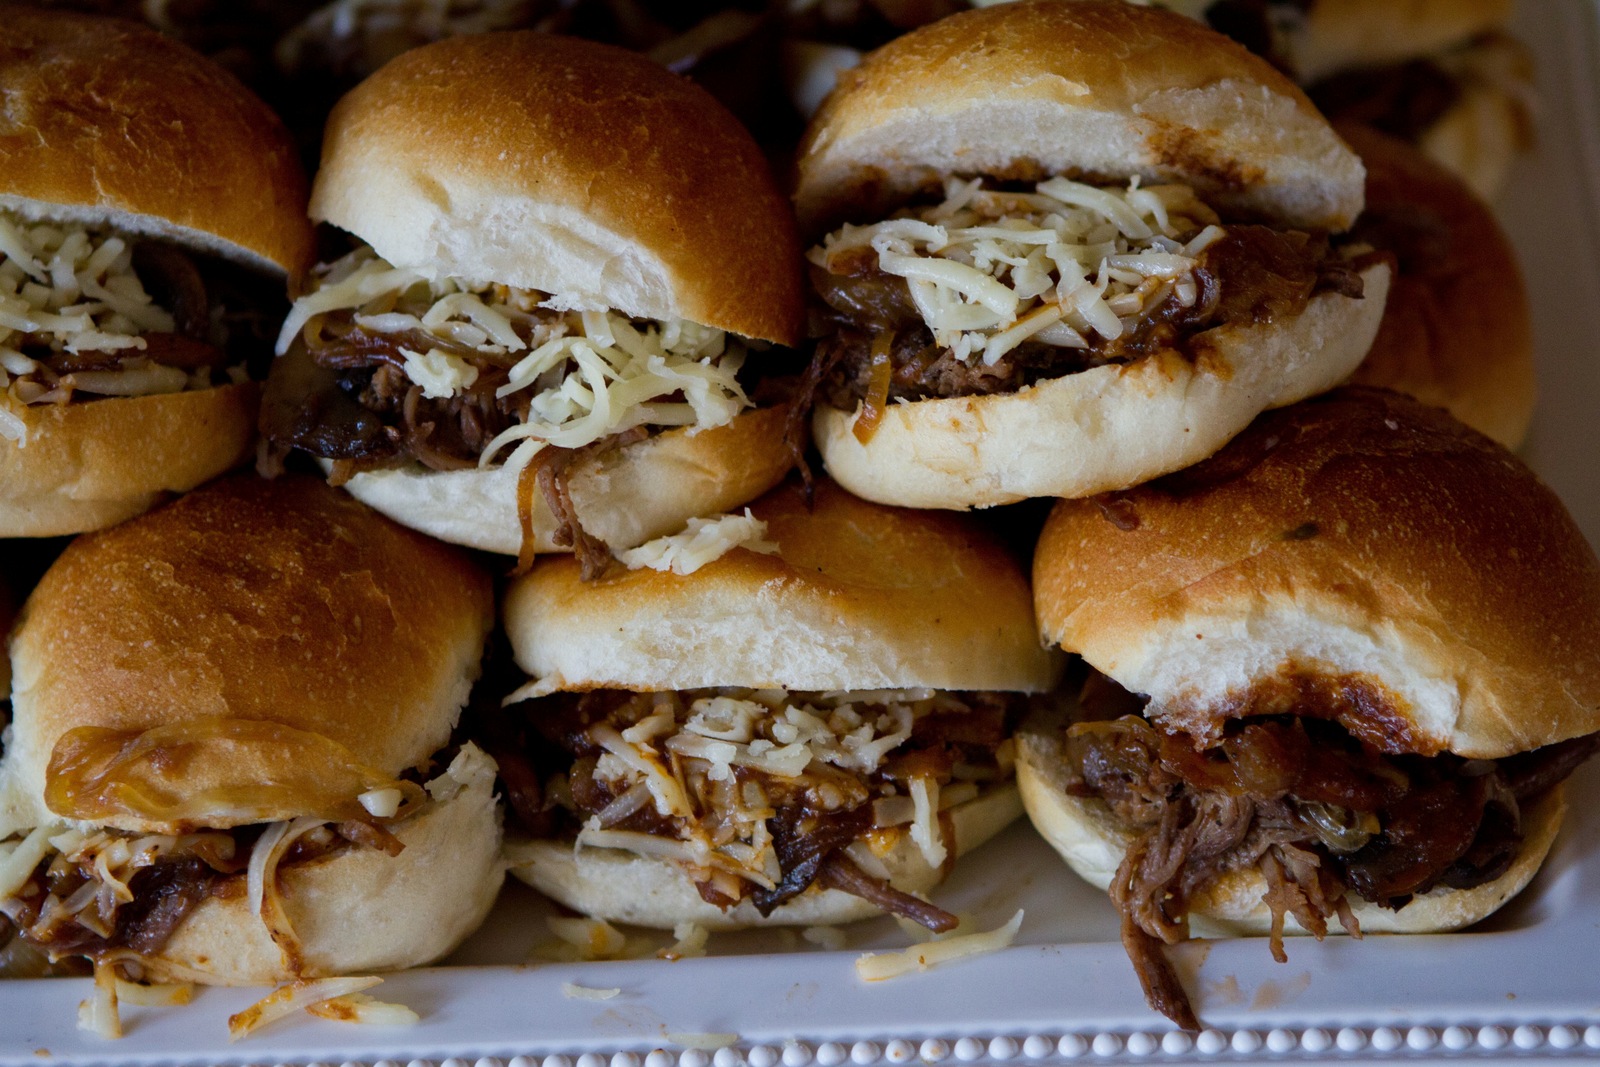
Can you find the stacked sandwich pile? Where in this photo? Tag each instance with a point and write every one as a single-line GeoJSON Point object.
{"type": "Point", "coordinates": [1331, 653]}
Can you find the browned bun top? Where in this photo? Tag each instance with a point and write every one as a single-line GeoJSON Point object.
{"type": "Point", "coordinates": [255, 651]}
{"type": "Point", "coordinates": [107, 122]}
{"type": "Point", "coordinates": [1456, 331]}
{"type": "Point", "coordinates": [1359, 555]}
{"type": "Point", "coordinates": [1098, 88]}
{"type": "Point", "coordinates": [856, 596]}
{"type": "Point", "coordinates": [1340, 34]}
{"type": "Point", "coordinates": [570, 167]}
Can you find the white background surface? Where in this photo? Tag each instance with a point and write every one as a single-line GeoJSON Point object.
{"type": "Point", "coordinates": [1536, 964]}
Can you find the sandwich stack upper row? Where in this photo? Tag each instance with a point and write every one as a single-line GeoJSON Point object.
{"type": "Point", "coordinates": [1332, 652]}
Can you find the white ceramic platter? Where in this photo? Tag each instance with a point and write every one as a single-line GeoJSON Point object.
{"type": "Point", "coordinates": [1525, 984]}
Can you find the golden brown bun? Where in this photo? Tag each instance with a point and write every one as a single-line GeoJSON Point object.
{"type": "Point", "coordinates": [1101, 88]}
{"type": "Point", "coordinates": [1339, 34]}
{"type": "Point", "coordinates": [1106, 428]}
{"type": "Point", "coordinates": [1358, 550]}
{"type": "Point", "coordinates": [1088, 836]}
{"type": "Point", "coordinates": [94, 463]}
{"type": "Point", "coordinates": [330, 637]}
{"type": "Point", "coordinates": [624, 497]}
{"type": "Point", "coordinates": [107, 122]}
{"type": "Point", "coordinates": [1456, 331]}
{"type": "Point", "coordinates": [570, 167]}
{"type": "Point", "coordinates": [1492, 122]}
{"type": "Point", "coordinates": [623, 887]}
{"type": "Point", "coordinates": [359, 910]}
{"type": "Point", "coordinates": [858, 596]}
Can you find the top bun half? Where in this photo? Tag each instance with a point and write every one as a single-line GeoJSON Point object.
{"type": "Point", "coordinates": [573, 168]}
{"type": "Point", "coordinates": [1097, 88]}
{"type": "Point", "coordinates": [1359, 556]}
{"type": "Point", "coordinates": [1341, 34]}
{"type": "Point", "coordinates": [255, 651]}
{"type": "Point", "coordinates": [108, 123]}
{"type": "Point", "coordinates": [857, 596]}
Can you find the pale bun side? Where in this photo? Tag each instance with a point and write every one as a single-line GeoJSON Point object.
{"type": "Point", "coordinates": [1090, 839]}
{"type": "Point", "coordinates": [91, 464]}
{"type": "Point", "coordinates": [1104, 89]}
{"type": "Point", "coordinates": [360, 910]}
{"type": "Point", "coordinates": [1456, 331]}
{"type": "Point", "coordinates": [1105, 428]}
{"type": "Point", "coordinates": [1482, 135]}
{"type": "Point", "coordinates": [285, 634]}
{"type": "Point", "coordinates": [622, 887]}
{"type": "Point", "coordinates": [110, 123]}
{"type": "Point", "coordinates": [574, 168]}
{"type": "Point", "coordinates": [624, 497]}
{"type": "Point", "coordinates": [1340, 34]}
{"type": "Point", "coordinates": [1360, 553]}
{"type": "Point", "coordinates": [857, 596]}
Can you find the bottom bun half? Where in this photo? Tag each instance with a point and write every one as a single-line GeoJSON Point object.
{"type": "Point", "coordinates": [622, 887]}
{"type": "Point", "coordinates": [92, 464]}
{"type": "Point", "coordinates": [361, 910]}
{"type": "Point", "coordinates": [625, 497]}
{"type": "Point", "coordinates": [1093, 842]}
{"type": "Point", "coordinates": [1107, 428]}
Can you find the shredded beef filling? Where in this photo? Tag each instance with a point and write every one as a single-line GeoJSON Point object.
{"type": "Point", "coordinates": [164, 893]}
{"type": "Point", "coordinates": [547, 762]}
{"type": "Point", "coordinates": [1251, 274]}
{"type": "Point", "coordinates": [1318, 812]}
{"type": "Point", "coordinates": [224, 317]}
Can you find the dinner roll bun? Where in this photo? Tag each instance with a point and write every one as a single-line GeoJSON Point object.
{"type": "Point", "coordinates": [574, 168]}
{"type": "Point", "coordinates": [257, 651]}
{"type": "Point", "coordinates": [624, 496]}
{"type": "Point", "coordinates": [360, 910]}
{"type": "Point", "coordinates": [1096, 88]}
{"type": "Point", "coordinates": [1361, 554]}
{"type": "Point", "coordinates": [1339, 34]}
{"type": "Point", "coordinates": [856, 596]}
{"type": "Point", "coordinates": [92, 464]}
{"type": "Point", "coordinates": [1456, 332]}
{"type": "Point", "coordinates": [1093, 842]}
{"type": "Point", "coordinates": [109, 123]}
{"type": "Point", "coordinates": [623, 887]}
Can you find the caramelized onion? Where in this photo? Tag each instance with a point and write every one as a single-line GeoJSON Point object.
{"type": "Point", "coordinates": [189, 773]}
{"type": "Point", "coordinates": [877, 398]}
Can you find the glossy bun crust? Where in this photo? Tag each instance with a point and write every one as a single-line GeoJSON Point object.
{"type": "Point", "coordinates": [569, 167]}
{"type": "Point", "coordinates": [858, 596]}
{"type": "Point", "coordinates": [1456, 332]}
{"type": "Point", "coordinates": [286, 640]}
{"type": "Point", "coordinates": [1359, 551]}
{"type": "Point", "coordinates": [1097, 88]}
{"type": "Point", "coordinates": [107, 122]}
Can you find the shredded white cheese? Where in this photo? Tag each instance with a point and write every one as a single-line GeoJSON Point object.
{"type": "Point", "coordinates": [99, 1014]}
{"type": "Point", "coordinates": [684, 752]}
{"type": "Point", "coordinates": [989, 270]}
{"type": "Point", "coordinates": [573, 991]}
{"type": "Point", "coordinates": [690, 939]}
{"type": "Point", "coordinates": [67, 288]}
{"type": "Point", "coordinates": [363, 1010]}
{"type": "Point", "coordinates": [595, 939]}
{"type": "Point", "coordinates": [581, 375]}
{"type": "Point", "coordinates": [700, 542]}
{"type": "Point", "coordinates": [286, 1000]}
{"type": "Point", "coordinates": [878, 966]}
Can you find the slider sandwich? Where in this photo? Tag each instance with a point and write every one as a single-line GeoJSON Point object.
{"type": "Point", "coordinates": [1456, 331]}
{"type": "Point", "coordinates": [150, 208]}
{"type": "Point", "coordinates": [809, 728]}
{"type": "Point", "coordinates": [232, 760]}
{"type": "Point", "coordinates": [567, 264]}
{"type": "Point", "coordinates": [1338, 673]}
{"type": "Point", "coordinates": [1070, 247]}
{"type": "Point", "coordinates": [1441, 74]}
